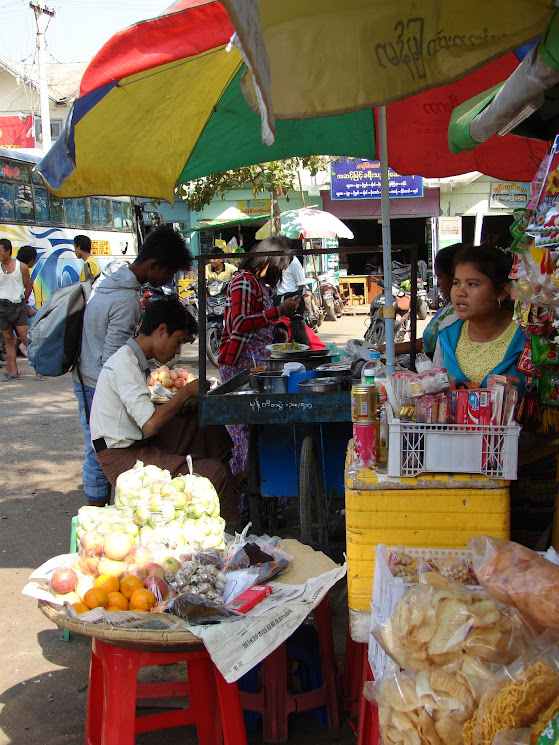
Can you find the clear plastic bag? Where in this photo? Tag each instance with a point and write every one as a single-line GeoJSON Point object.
{"type": "Point", "coordinates": [519, 577]}
{"type": "Point", "coordinates": [430, 707]}
{"type": "Point", "coordinates": [524, 694]}
{"type": "Point", "coordinates": [438, 621]}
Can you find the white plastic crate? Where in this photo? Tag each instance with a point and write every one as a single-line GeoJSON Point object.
{"type": "Point", "coordinates": [387, 590]}
{"type": "Point", "coordinates": [415, 448]}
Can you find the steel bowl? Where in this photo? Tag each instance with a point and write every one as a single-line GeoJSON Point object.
{"type": "Point", "coordinates": [268, 382]}
{"type": "Point", "coordinates": [333, 370]}
{"type": "Point", "coordinates": [320, 385]}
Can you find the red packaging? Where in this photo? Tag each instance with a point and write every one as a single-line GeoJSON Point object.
{"type": "Point", "coordinates": [365, 444]}
{"type": "Point", "coordinates": [249, 598]}
{"type": "Point", "coordinates": [474, 407]}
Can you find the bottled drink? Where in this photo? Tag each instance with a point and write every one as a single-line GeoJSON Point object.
{"type": "Point", "coordinates": [382, 451]}
{"type": "Point", "coordinates": [374, 373]}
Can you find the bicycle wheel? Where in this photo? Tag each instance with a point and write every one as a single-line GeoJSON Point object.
{"type": "Point", "coordinates": [312, 499]}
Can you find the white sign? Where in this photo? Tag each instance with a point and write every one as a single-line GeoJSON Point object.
{"type": "Point", "coordinates": [509, 195]}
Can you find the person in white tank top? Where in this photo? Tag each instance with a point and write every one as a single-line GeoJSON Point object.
{"type": "Point", "coordinates": [15, 288]}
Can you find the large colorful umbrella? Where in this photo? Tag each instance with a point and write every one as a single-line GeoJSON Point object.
{"type": "Point", "coordinates": [306, 223]}
{"type": "Point", "coordinates": [162, 102]}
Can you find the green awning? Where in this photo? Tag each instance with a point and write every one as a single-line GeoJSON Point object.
{"type": "Point", "coordinates": [232, 137]}
{"type": "Point", "coordinates": [219, 224]}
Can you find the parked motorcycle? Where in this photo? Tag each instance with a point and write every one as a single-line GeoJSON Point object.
{"type": "Point", "coordinates": [215, 313]}
{"type": "Point", "coordinates": [313, 314]}
{"type": "Point", "coordinates": [376, 333]}
{"type": "Point", "coordinates": [332, 301]}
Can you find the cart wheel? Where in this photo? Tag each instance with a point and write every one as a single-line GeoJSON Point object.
{"type": "Point", "coordinates": [312, 500]}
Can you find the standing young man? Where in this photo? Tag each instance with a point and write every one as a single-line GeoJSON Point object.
{"type": "Point", "coordinates": [111, 317]}
{"type": "Point", "coordinates": [15, 288]}
{"type": "Point", "coordinates": [82, 249]}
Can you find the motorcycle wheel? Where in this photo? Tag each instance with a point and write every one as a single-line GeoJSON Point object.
{"type": "Point", "coordinates": [338, 308]}
{"type": "Point", "coordinates": [213, 338]}
{"type": "Point", "coordinates": [422, 311]}
{"type": "Point", "coordinates": [330, 311]}
{"type": "Point", "coordinates": [400, 335]}
{"type": "Point", "coordinates": [375, 334]}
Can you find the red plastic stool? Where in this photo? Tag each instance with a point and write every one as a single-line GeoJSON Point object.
{"type": "Point", "coordinates": [355, 653]}
{"type": "Point", "coordinates": [368, 730]}
{"type": "Point", "coordinates": [114, 689]}
{"type": "Point", "coordinates": [275, 702]}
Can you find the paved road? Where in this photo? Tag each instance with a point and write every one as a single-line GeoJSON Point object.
{"type": "Point", "coordinates": [43, 681]}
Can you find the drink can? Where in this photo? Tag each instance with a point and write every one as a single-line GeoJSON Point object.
{"type": "Point", "coordinates": [363, 403]}
{"type": "Point", "coordinates": [365, 444]}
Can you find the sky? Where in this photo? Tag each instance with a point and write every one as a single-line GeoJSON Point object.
{"type": "Point", "coordinates": [77, 31]}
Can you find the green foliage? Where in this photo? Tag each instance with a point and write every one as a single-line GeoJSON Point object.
{"type": "Point", "coordinates": [278, 177]}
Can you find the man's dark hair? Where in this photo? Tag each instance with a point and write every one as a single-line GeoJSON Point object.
{"type": "Point", "coordinates": [167, 247]}
{"type": "Point", "coordinates": [258, 260]}
{"type": "Point", "coordinates": [6, 245]}
{"type": "Point", "coordinates": [26, 254]}
{"type": "Point", "coordinates": [170, 311]}
{"type": "Point", "coordinates": [217, 250]}
{"type": "Point", "coordinates": [83, 242]}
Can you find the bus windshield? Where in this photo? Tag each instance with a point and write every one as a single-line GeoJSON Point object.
{"type": "Point", "coordinates": [30, 214]}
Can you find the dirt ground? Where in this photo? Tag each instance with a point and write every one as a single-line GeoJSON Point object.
{"type": "Point", "coordinates": [43, 680]}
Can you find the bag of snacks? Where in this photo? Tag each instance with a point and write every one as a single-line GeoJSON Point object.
{"type": "Point", "coordinates": [520, 577]}
{"type": "Point", "coordinates": [438, 621]}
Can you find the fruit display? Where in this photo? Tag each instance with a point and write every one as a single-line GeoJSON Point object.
{"type": "Point", "coordinates": [173, 379]}
{"type": "Point", "coordinates": [206, 581]}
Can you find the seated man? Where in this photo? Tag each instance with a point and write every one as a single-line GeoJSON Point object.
{"type": "Point", "coordinates": [217, 269]}
{"type": "Point", "coordinates": [126, 426]}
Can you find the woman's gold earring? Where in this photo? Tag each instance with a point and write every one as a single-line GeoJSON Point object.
{"type": "Point", "coordinates": [499, 301]}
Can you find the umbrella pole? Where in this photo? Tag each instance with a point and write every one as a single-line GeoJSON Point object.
{"type": "Point", "coordinates": [389, 310]}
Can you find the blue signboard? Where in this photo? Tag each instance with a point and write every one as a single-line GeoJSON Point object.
{"type": "Point", "coordinates": [358, 178]}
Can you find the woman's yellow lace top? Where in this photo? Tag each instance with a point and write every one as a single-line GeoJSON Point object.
{"type": "Point", "coordinates": [478, 358]}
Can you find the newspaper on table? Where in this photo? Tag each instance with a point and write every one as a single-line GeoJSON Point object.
{"type": "Point", "coordinates": [235, 645]}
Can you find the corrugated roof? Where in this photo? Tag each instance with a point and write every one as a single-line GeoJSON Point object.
{"type": "Point", "coordinates": [63, 77]}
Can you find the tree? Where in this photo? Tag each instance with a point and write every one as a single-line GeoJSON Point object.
{"type": "Point", "coordinates": [277, 178]}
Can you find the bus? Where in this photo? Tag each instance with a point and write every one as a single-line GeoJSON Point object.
{"type": "Point", "coordinates": [30, 214]}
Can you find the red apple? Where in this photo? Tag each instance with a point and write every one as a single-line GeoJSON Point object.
{"type": "Point", "coordinates": [173, 375]}
{"type": "Point", "coordinates": [136, 571]}
{"type": "Point", "coordinates": [139, 555]}
{"type": "Point", "coordinates": [167, 383]}
{"type": "Point", "coordinates": [184, 374]}
{"type": "Point", "coordinates": [179, 382]}
{"type": "Point", "coordinates": [64, 580]}
{"type": "Point", "coordinates": [155, 569]}
{"type": "Point", "coordinates": [158, 586]}
{"type": "Point", "coordinates": [92, 543]}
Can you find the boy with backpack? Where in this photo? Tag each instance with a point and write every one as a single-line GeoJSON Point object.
{"type": "Point", "coordinates": [111, 316]}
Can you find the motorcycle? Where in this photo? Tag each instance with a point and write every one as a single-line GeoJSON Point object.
{"type": "Point", "coordinates": [376, 333]}
{"type": "Point", "coordinates": [313, 313]}
{"type": "Point", "coordinates": [215, 314]}
{"type": "Point", "coordinates": [332, 301]}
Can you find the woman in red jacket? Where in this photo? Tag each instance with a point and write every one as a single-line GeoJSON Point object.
{"type": "Point", "coordinates": [248, 324]}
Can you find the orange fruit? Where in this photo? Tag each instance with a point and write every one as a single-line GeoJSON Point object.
{"type": "Point", "coordinates": [80, 607]}
{"type": "Point", "coordinates": [114, 608]}
{"type": "Point", "coordinates": [107, 582]}
{"type": "Point", "coordinates": [117, 599]}
{"type": "Point", "coordinates": [142, 599]}
{"type": "Point", "coordinates": [129, 584]}
{"type": "Point", "coordinates": [96, 597]}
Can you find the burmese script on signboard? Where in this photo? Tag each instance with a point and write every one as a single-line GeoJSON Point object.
{"type": "Point", "coordinates": [358, 178]}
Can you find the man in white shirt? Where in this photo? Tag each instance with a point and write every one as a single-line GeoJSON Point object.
{"type": "Point", "coordinates": [126, 426]}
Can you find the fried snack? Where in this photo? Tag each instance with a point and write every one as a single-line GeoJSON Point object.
{"type": "Point", "coordinates": [429, 708]}
{"type": "Point", "coordinates": [511, 704]}
{"type": "Point", "coordinates": [519, 577]}
{"type": "Point", "coordinates": [544, 718]}
{"type": "Point", "coordinates": [438, 621]}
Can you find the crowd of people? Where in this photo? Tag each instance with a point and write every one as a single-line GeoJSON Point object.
{"type": "Point", "coordinates": [472, 335]}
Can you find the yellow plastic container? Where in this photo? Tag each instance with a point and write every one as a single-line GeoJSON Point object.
{"type": "Point", "coordinates": [444, 517]}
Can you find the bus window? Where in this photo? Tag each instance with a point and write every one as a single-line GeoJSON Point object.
{"type": "Point", "coordinates": [6, 201]}
{"type": "Point", "coordinates": [105, 215]}
{"type": "Point", "coordinates": [36, 178]}
{"type": "Point", "coordinates": [24, 202]}
{"type": "Point", "coordinates": [42, 204]}
{"type": "Point", "coordinates": [71, 211]}
{"type": "Point", "coordinates": [127, 215]}
{"type": "Point", "coordinates": [117, 215]}
{"type": "Point", "coordinates": [56, 209]}
{"type": "Point", "coordinates": [83, 212]}
{"type": "Point", "coordinates": [95, 211]}
{"type": "Point", "coordinates": [14, 171]}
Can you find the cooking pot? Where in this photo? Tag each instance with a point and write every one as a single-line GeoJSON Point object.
{"type": "Point", "coordinates": [333, 370]}
{"type": "Point", "coordinates": [320, 385]}
{"type": "Point", "coordinates": [268, 382]}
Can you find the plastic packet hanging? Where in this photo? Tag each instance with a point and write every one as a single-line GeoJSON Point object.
{"type": "Point", "coordinates": [438, 621]}
{"type": "Point", "coordinates": [423, 363]}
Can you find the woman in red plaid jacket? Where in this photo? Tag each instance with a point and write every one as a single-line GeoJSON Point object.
{"type": "Point", "coordinates": [248, 324]}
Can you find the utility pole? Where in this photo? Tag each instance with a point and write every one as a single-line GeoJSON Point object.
{"type": "Point", "coordinates": [42, 18]}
